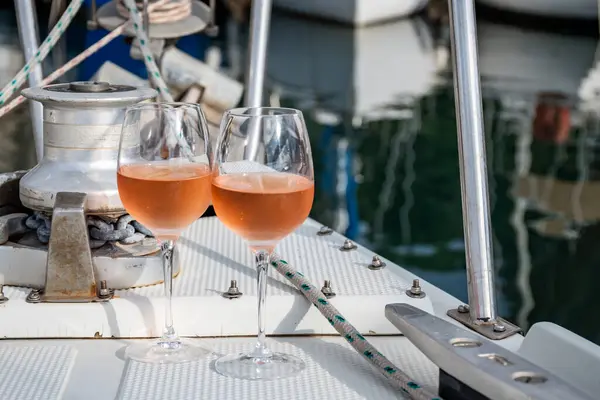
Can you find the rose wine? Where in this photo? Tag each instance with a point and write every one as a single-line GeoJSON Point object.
{"type": "Point", "coordinates": [262, 208]}
{"type": "Point", "coordinates": [166, 198]}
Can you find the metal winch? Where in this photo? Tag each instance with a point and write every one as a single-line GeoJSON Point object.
{"type": "Point", "coordinates": [70, 237]}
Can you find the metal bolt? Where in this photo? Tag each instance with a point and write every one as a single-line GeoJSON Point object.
{"type": "Point", "coordinates": [324, 231]}
{"type": "Point", "coordinates": [327, 291]}
{"type": "Point", "coordinates": [104, 292]}
{"type": "Point", "coordinates": [415, 290]}
{"type": "Point", "coordinates": [35, 296]}
{"type": "Point", "coordinates": [376, 264]}
{"type": "Point", "coordinates": [233, 292]}
{"type": "Point", "coordinates": [348, 245]}
{"type": "Point", "coordinates": [463, 309]}
{"type": "Point", "coordinates": [3, 298]}
{"type": "Point", "coordinates": [499, 327]}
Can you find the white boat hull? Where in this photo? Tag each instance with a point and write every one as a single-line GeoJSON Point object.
{"type": "Point", "coordinates": [587, 9]}
{"type": "Point", "coordinates": [356, 71]}
{"type": "Point", "coordinates": [354, 12]}
{"type": "Point", "coordinates": [511, 59]}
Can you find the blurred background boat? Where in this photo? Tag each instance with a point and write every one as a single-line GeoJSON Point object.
{"type": "Point", "coordinates": [585, 9]}
{"type": "Point", "coordinates": [312, 72]}
{"type": "Point", "coordinates": [353, 12]}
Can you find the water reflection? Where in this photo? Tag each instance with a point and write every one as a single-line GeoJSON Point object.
{"type": "Point", "coordinates": [387, 158]}
{"type": "Point", "coordinates": [379, 106]}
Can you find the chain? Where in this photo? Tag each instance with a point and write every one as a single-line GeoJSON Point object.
{"type": "Point", "coordinates": [124, 230]}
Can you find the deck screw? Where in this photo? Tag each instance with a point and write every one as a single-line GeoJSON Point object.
{"type": "Point", "coordinates": [34, 296]}
{"type": "Point", "coordinates": [376, 264]}
{"type": "Point", "coordinates": [3, 298]}
{"type": "Point", "coordinates": [499, 327]}
{"type": "Point", "coordinates": [415, 290]}
{"type": "Point", "coordinates": [327, 291]}
{"type": "Point", "coordinates": [233, 292]}
{"type": "Point", "coordinates": [463, 309]}
{"type": "Point", "coordinates": [348, 245]}
{"type": "Point", "coordinates": [324, 231]}
{"type": "Point", "coordinates": [104, 292]}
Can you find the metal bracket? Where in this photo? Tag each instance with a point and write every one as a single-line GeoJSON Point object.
{"type": "Point", "coordinates": [494, 330]}
{"type": "Point", "coordinates": [69, 269]}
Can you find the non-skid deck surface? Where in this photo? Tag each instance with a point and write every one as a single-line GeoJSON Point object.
{"type": "Point", "coordinates": [34, 372]}
{"type": "Point", "coordinates": [334, 371]}
{"type": "Point", "coordinates": [211, 256]}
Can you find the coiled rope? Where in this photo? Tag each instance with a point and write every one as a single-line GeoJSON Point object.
{"type": "Point", "coordinates": [160, 11]}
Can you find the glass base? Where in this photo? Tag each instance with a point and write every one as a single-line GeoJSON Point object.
{"type": "Point", "coordinates": [253, 367]}
{"type": "Point", "coordinates": [165, 352]}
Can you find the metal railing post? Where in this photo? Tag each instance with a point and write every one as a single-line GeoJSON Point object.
{"type": "Point", "coordinates": [28, 32]}
{"type": "Point", "coordinates": [259, 39]}
{"type": "Point", "coordinates": [257, 63]}
{"type": "Point", "coordinates": [481, 313]}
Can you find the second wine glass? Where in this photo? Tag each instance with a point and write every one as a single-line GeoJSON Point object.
{"type": "Point", "coordinates": [164, 181]}
{"type": "Point", "coordinates": [262, 190]}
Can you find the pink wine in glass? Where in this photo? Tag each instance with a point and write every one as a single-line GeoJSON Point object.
{"type": "Point", "coordinates": [263, 208]}
{"type": "Point", "coordinates": [166, 198]}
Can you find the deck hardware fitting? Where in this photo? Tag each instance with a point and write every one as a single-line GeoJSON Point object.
{"type": "Point", "coordinates": [34, 296]}
{"type": "Point", "coordinates": [104, 292]}
{"type": "Point", "coordinates": [327, 291]}
{"type": "Point", "coordinates": [415, 290]}
{"type": "Point", "coordinates": [233, 292]}
{"type": "Point", "coordinates": [70, 274]}
{"type": "Point", "coordinates": [325, 231]}
{"type": "Point", "coordinates": [348, 245]}
{"type": "Point", "coordinates": [376, 264]}
{"type": "Point", "coordinates": [497, 329]}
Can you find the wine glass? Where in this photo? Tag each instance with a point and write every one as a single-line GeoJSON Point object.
{"type": "Point", "coordinates": [164, 180]}
{"type": "Point", "coordinates": [262, 190]}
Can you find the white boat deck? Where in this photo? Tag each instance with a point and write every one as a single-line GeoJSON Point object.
{"type": "Point", "coordinates": [95, 369]}
{"type": "Point", "coordinates": [210, 256]}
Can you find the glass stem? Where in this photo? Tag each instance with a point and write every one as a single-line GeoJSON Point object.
{"type": "Point", "coordinates": [169, 337]}
{"type": "Point", "coordinates": [262, 267]}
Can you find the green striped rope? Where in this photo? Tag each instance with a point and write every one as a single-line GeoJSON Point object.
{"type": "Point", "coordinates": [42, 52]}
{"type": "Point", "coordinates": [398, 378]}
{"type": "Point", "coordinates": [149, 60]}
